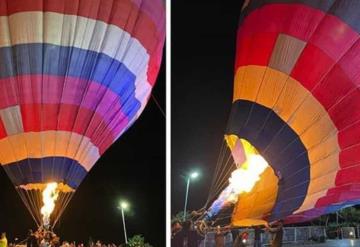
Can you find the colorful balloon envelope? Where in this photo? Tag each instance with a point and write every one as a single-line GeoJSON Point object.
{"type": "Point", "coordinates": [297, 101]}
{"type": "Point", "coordinates": [74, 75]}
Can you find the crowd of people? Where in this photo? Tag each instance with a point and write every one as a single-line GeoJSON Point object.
{"type": "Point", "coordinates": [47, 238]}
{"type": "Point", "coordinates": [188, 234]}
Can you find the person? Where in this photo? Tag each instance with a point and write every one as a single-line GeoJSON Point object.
{"type": "Point", "coordinates": [276, 229]}
{"type": "Point", "coordinates": [194, 238]}
{"type": "Point", "coordinates": [220, 234]}
{"type": "Point", "coordinates": [31, 240]}
{"type": "Point", "coordinates": [257, 236]}
{"type": "Point", "coordinates": [175, 228]}
{"type": "Point", "coordinates": [177, 235]}
{"type": "Point", "coordinates": [3, 240]}
{"type": "Point", "coordinates": [241, 239]}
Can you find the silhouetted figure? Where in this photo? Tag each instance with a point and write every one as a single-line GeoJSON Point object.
{"type": "Point", "coordinates": [257, 237]}
{"type": "Point", "coordinates": [31, 241]}
{"type": "Point", "coordinates": [277, 231]}
{"type": "Point", "coordinates": [177, 235]}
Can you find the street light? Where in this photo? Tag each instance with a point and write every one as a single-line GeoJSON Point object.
{"type": "Point", "coordinates": [124, 206]}
{"type": "Point", "coordinates": [192, 175]}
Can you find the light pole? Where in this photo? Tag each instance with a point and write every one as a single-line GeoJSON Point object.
{"type": "Point", "coordinates": [123, 206]}
{"type": "Point", "coordinates": [191, 176]}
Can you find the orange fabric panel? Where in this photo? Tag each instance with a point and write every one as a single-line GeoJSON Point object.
{"type": "Point", "coordinates": [46, 144]}
{"type": "Point", "coordinates": [251, 208]}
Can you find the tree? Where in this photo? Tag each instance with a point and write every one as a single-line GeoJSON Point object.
{"type": "Point", "coordinates": [179, 216]}
{"type": "Point", "coordinates": [137, 241]}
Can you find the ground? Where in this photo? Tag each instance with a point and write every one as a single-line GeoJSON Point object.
{"type": "Point", "coordinates": [332, 243]}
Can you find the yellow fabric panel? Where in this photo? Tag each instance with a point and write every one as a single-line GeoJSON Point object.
{"type": "Point", "coordinates": [231, 141]}
{"type": "Point", "coordinates": [251, 208]}
{"type": "Point", "coordinates": [322, 183]}
{"type": "Point", "coordinates": [247, 82]}
{"type": "Point", "coordinates": [39, 186]}
{"type": "Point", "coordinates": [271, 87]}
{"type": "Point", "coordinates": [248, 222]}
{"type": "Point", "coordinates": [47, 144]}
{"type": "Point", "coordinates": [307, 114]}
{"type": "Point", "coordinates": [290, 99]}
{"type": "Point", "coordinates": [324, 166]}
{"type": "Point", "coordinates": [17, 148]}
{"type": "Point", "coordinates": [324, 149]}
{"type": "Point", "coordinates": [286, 52]}
{"type": "Point", "coordinates": [319, 132]}
{"type": "Point", "coordinates": [310, 201]}
{"type": "Point", "coordinates": [317, 189]}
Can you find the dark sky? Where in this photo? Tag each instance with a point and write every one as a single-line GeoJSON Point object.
{"type": "Point", "coordinates": [203, 50]}
{"type": "Point", "coordinates": [133, 168]}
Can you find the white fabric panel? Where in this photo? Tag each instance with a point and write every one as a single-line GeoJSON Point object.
{"type": "Point", "coordinates": [75, 31]}
{"type": "Point", "coordinates": [11, 118]}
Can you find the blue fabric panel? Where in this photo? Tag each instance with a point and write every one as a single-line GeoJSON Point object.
{"type": "Point", "coordinates": [45, 170]}
{"type": "Point", "coordinates": [280, 146]}
{"type": "Point", "coordinates": [56, 60]}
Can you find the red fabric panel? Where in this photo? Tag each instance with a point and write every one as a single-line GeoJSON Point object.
{"type": "Point", "coordinates": [305, 216]}
{"type": "Point", "coordinates": [297, 20]}
{"type": "Point", "coordinates": [29, 88]}
{"type": "Point", "coordinates": [349, 156]}
{"type": "Point", "coordinates": [122, 13]}
{"type": "Point", "coordinates": [334, 37]}
{"type": "Point", "coordinates": [154, 65]}
{"type": "Point", "coordinates": [330, 90]}
{"type": "Point", "coordinates": [66, 116]}
{"type": "Point", "coordinates": [116, 126]}
{"type": "Point", "coordinates": [79, 120]}
{"type": "Point", "coordinates": [347, 111]}
{"type": "Point", "coordinates": [8, 92]}
{"type": "Point", "coordinates": [50, 115]}
{"type": "Point", "coordinates": [256, 49]}
{"type": "Point", "coordinates": [348, 176]}
{"type": "Point", "coordinates": [350, 63]}
{"type": "Point", "coordinates": [340, 194]}
{"type": "Point", "coordinates": [309, 73]}
{"type": "Point", "coordinates": [2, 130]}
{"type": "Point", "coordinates": [31, 117]}
{"type": "Point", "coordinates": [349, 136]}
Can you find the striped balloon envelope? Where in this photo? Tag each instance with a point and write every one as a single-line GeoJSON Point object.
{"type": "Point", "coordinates": [74, 75]}
{"type": "Point", "coordinates": [297, 101]}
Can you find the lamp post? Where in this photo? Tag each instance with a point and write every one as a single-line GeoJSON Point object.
{"type": "Point", "coordinates": [191, 176]}
{"type": "Point", "coordinates": [123, 206]}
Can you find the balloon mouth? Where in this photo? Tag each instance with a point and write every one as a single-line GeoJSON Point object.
{"type": "Point", "coordinates": [49, 197]}
{"type": "Point", "coordinates": [248, 171]}
{"type": "Point", "coordinates": [250, 165]}
{"type": "Point", "coordinates": [62, 187]}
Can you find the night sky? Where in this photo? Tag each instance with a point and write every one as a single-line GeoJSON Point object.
{"type": "Point", "coordinates": [132, 168]}
{"type": "Point", "coordinates": [203, 53]}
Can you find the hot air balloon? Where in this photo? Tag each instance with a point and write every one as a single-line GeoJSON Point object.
{"type": "Point", "coordinates": [296, 101]}
{"type": "Point", "coordinates": [74, 75]}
